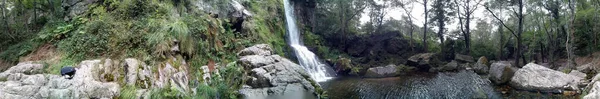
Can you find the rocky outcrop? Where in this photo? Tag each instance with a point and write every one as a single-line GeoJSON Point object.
{"type": "Point", "coordinates": [21, 83]}
{"type": "Point", "coordinates": [540, 78]}
{"type": "Point", "coordinates": [424, 61]}
{"type": "Point", "coordinates": [481, 66]}
{"type": "Point", "coordinates": [501, 72]}
{"type": "Point", "coordinates": [76, 7]}
{"type": "Point", "coordinates": [384, 71]}
{"type": "Point", "coordinates": [272, 76]}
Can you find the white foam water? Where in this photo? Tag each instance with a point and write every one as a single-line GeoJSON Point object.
{"type": "Point", "coordinates": [307, 59]}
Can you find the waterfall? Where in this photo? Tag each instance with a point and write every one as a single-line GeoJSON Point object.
{"type": "Point", "coordinates": [307, 59]}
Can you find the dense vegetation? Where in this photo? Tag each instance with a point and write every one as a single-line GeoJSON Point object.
{"type": "Point", "coordinates": [142, 29]}
{"type": "Point", "coordinates": [548, 31]}
{"type": "Point", "coordinates": [356, 34]}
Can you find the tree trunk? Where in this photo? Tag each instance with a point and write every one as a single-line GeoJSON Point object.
{"type": "Point", "coordinates": [519, 32]}
{"type": "Point", "coordinates": [468, 34]}
{"type": "Point", "coordinates": [7, 28]}
{"type": "Point", "coordinates": [425, 27]}
{"type": "Point", "coordinates": [570, 38]}
{"type": "Point", "coordinates": [501, 45]}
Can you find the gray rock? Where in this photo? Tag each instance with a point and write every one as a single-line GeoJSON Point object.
{"type": "Point", "coordinates": [594, 92]}
{"type": "Point", "coordinates": [540, 78]}
{"type": "Point", "coordinates": [76, 7]}
{"type": "Point", "coordinates": [254, 61]}
{"type": "Point", "coordinates": [452, 66]}
{"type": "Point", "coordinates": [384, 71]}
{"type": "Point", "coordinates": [131, 66]}
{"type": "Point", "coordinates": [26, 68]}
{"type": "Point", "coordinates": [464, 58]}
{"type": "Point", "coordinates": [587, 68]}
{"type": "Point", "coordinates": [501, 72]}
{"type": "Point", "coordinates": [83, 84]}
{"type": "Point", "coordinates": [272, 76]}
{"type": "Point", "coordinates": [481, 66]}
{"type": "Point", "coordinates": [424, 61]}
{"type": "Point", "coordinates": [577, 73]}
{"type": "Point", "coordinates": [260, 49]}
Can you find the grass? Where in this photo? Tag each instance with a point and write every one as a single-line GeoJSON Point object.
{"type": "Point", "coordinates": [128, 92]}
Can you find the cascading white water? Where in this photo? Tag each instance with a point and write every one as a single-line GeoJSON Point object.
{"type": "Point", "coordinates": [306, 58]}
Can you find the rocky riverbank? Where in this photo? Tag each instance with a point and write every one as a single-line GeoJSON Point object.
{"type": "Point", "coordinates": [269, 75]}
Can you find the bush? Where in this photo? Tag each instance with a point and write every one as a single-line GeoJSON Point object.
{"type": "Point", "coordinates": [14, 52]}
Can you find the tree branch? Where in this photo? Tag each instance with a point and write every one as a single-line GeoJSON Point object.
{"type": "Point", "coordinates": [501, 22]}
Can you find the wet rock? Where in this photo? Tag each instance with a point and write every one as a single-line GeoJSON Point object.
{"type": "Point", "coordinates": [343, 66]}
{"type": "Point", "coordinates": [577, 73]}
{"type": "Point", "coordinates": [539, 78]}
{"type": "Point", "coordinates": [452, 66]}
{"type": "Point", "coordinates": [481, 66]}
{"type": "Point", "coordinates": [501, 72]}
{"type": "Point", "coordinates": [384, 71]}
{"type": "Point", "coordinates": [275, 77]}
{"type": "Point", "coordinates": [464, 58]}
{"type": "Point", "coordinates": [424, 61]}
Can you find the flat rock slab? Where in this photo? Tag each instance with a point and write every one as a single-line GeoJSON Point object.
{"type": "Point", "coordinates": [535, 77]}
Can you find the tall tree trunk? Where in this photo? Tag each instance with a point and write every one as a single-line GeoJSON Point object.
{"type": "Point", "coordinates": [570, 38]}
{"type": "Point", "coordinates": [468, 33]}
{"type": "Point", "coordinates": [501, 45]}
{"type": "Point", "coordinates": [425, 27]}
{"type": "Point", "coordinates": [7, 28]}
{"type": "Point", "coordinates": [519, 32]}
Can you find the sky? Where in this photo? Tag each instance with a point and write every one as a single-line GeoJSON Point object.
{"type": "Point", "coordinates": [418, 16]}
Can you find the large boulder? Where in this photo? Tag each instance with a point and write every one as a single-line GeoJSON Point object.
{"type": "Point", "coordinates": [481, 67]}
{"type": "Point", "coordinates": [82, 85]}
{"type": "Point", "coordinates": [594, 92]}
{"type": "Point", "coordinates": [501, 72]}
{"type": "Point", "coordinates": [539, 78]}
{"type": "Point", "coordinates": [384, 71]}
{"type": "Point", "coordinates": [272, 76]}
{"type": "Point", "coordinates": [424, 61]}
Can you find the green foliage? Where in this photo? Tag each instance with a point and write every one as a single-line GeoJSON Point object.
{"type": "Point", "coordinates": [55, 68]}
{"type": "Point", "coordinates": [14, 52]}
{"type": "Point", "coordinates": [206, 92]}
{"type": "Point", "coordinates": [167, 93]}
{"type": "Point", "coordinates": [128, 92]}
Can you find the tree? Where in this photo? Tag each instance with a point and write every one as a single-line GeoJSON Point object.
{"type": "Point", "coordinates": [403, 4]}
{"type": "Point", "coordinates": [569, 44]}
{"type": "Point", "coordinates": [425, 25]}
{"type": "Point", "coordinates": [516, 34]}
{"type": "Point", "coordinates": [377, 14]}
{"type": "Point", "coordinates": [441, 12]}
{"type": "Point", "coordinates": [467, 14]}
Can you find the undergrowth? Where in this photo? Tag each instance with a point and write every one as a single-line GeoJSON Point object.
{"type": "Point", "coordinates": [148, 30]}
